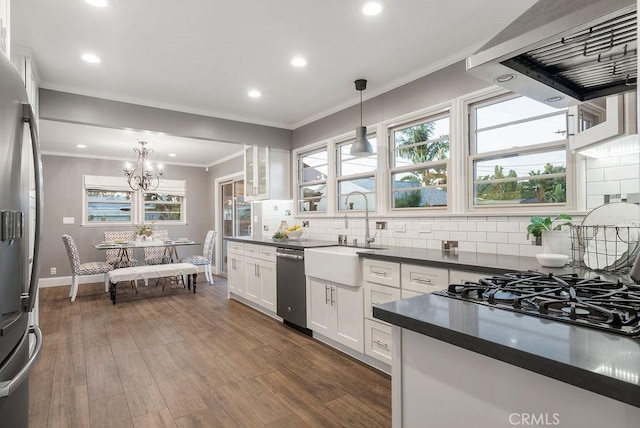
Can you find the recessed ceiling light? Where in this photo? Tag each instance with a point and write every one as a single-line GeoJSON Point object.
{"type": "Point", "coordinates": [172, 155]}
{"type": "Point", "coordinates": [91, 58]}
{"type": "Point", "coordinates": [81, 146]}
{"type": "Point", "coordinates": [504, 78]}
{"type": "Point", "coordinates": [99, 3]}
{"type": "Point", "coordinates": [254, 93]}
{"type": "Point", "coordinates": [554, 99]}
{"type": "Point", "coordinates": [298, 62]}
{"type": "Point", "coordinates": [372, 8]}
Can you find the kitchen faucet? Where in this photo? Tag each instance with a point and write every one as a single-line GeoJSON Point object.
{"type": "Point", "coordinates": [367, 239]}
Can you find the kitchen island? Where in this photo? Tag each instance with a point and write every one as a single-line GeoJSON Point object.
{"type": "Point", "coordinates": [461, 364]}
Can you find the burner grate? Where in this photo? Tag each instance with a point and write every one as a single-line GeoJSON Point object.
{"type": "Point", "coordinates": [593, 302]}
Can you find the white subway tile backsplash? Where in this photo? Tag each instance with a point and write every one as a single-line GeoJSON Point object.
{"type": "Point", "coordinates": [630, 186]}
{"type": "Point", "coordinates": [488, 226]}
{"type": "Point", "coordinates": [467, 226]}
{"type": "Point", "coordinates": [477, 236]}
{"type": "Point", "coordinates": [508, 249]}
{"type": "Point", "coordinates": [449, 225]}
{"type": "Point", "coordinates": [487, 247]}
{"type": "Point", "coordinates": [603, 188]}
{"type": "Point", "coordinates": [497, 237]}
{"type": "Point", "coordinates": [440, 235]}
{"type": "Point", "coordinates": [621, 172]}
{"type": "Point", "coordinates": [595, 174]}
{"type": "Point", "coordinates": [530, 250]}
{"type": "Point", "coordinates": [458, 236]}
{"type": "Point", "coordinates": [607, 162]}
{"type": "Point", "coordinates": [519, 238]}
{"type": "Point", "coordinates": [467, 246]}
{"type": "Point", "coordinates": [509, 226]}
{"type": "Point", "coordinates": [594, 201]}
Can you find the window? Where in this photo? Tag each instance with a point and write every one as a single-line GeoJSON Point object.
{"type": "Point", "coordinates": [312, 181]}
{"type": "Point", "coordinates": [109, 201]}
{"type": "Point", "coordinates": [107, 206]}
{"type": "Point", "coordinates": [162, 207]}
{"type": "Point", "coordinates": [518, 152]}
{"type": "Point", "coordinates": [419, 163]}
{"type": "Point", "coordinates": [356, 174]}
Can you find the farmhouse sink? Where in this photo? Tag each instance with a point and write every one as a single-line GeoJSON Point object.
{"type": "Point", "coordinates": [336, 264]}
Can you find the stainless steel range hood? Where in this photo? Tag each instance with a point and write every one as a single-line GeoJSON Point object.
{"type": "Point", "coordinates": [563, 52]}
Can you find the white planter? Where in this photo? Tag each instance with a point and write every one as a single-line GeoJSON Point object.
{"type": "Point", "coordinates": [557, 242]}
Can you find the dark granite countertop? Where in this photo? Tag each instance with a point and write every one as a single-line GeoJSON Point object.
{"type": "Point", "coordinates": [601, 362]}
{"type": "Point", "coordinates": [295, 244]}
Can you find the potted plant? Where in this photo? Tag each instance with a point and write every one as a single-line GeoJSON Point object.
{"type": "Point", "coordinates": [550, 233]}
{"type": "Point", "coordinates": [144, 231]}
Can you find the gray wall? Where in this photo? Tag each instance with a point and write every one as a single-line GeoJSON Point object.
{"type": "Point", "coordinates": [434, 88]}
{"type": "Point", "coordinates": [63, 198]}
{"type": "Point", "coordinates": [66, 107]}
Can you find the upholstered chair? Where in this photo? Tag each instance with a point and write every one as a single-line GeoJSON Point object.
{"type": "Point", "coordinates": [207, 256]}
{"type": "Point", "coordinates": [79, 269]}
{"type": "Point", "coordinates": [157, 255]}
{"type": "Point", "coordinates": [113, 255]}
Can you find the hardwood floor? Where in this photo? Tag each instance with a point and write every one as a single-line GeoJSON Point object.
{"type": "Point", "coordinates": [174, 359]}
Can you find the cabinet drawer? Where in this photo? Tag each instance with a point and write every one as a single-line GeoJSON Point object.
{"type": "Point", "coordinates": [381, 272]}
{"type": "Point", "coordinates": [262, 252]}
{"type": "Point", "coordinates": [375, 294]}
{"type": "Point", "coordinates": [462, 276]}
{"type": "Point", "coordinates": [406, 294]}
{"type": "Point", "coordinates": [235, 247]}
{"type": "Point", "coordinates": [377, 338]}
{"type": "Point", "coordinates": [424, 279]}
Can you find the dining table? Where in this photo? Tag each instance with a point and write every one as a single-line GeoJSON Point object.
{"type": "Point", "coordinates": [170, 254]}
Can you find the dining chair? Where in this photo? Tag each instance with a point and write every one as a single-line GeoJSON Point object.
{"type": "Point", "coordinates": [207, 256]}
{"type": "Point", "coordinates": [157, 255]}
{"type": "Point", "coordinates": [113, 256]}
{"type": "Point", "coordinates": [79, 269]}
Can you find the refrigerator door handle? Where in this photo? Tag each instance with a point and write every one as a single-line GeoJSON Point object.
{"type": "Point", "coordinates": [7, 387]}
{"type": "Point", "coordinates": [28, 116]}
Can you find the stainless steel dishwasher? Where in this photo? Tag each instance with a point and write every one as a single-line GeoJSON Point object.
{"type": "Point", "coordinates": [291, 288]}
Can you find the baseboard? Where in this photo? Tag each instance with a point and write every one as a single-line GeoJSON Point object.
{"type": "Point", "coordinates": [61, 281]}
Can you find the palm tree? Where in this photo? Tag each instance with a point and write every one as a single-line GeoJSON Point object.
{"type": "Point", "coordinates": [428, 152]}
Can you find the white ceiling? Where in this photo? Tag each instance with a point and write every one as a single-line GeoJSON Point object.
{"type": "Point", "coordinates": [202, 56]}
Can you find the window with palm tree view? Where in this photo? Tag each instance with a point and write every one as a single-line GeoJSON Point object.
{"type": "Point", "coordinates": [419, 163]}
{"type": "Point", "coordinates": [518, 152]}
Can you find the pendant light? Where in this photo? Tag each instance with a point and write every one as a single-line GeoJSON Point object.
{"type": "Point", "coordinates": [361, 146]}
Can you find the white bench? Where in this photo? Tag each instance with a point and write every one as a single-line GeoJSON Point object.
{"type": "Point", "coordinates": [151, 271]}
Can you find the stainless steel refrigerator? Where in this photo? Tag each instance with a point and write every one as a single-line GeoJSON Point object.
{"type": "Point", "coordinates": [20, 222]}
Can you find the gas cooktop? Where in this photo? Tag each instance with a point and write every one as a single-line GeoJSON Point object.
{"type": "Point", "coordinates": [592, 302]}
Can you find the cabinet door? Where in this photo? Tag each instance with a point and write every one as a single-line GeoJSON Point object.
{"type": "Point", "coordinates": [319, 310]}
{"type": "Point", "coordinates": [252, 280]}
{"type": "Point", "coordinates": [250, 183]}
{"type": "Point", "coordinates": [375, 294]}
{"type": "Point", "coordinates": [377, 340]}
{"type": "Point", "coordinates": [267, 274]}
{"type": "Point", "coordinates": [236, 277]}
{"type": "Point", "coordinates": [349, 316]}
{"type": "Point", "coordinates": [262, 172]}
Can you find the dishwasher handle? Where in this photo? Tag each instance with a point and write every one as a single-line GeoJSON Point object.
{"type": "Point", "coordinates": [289, 256]}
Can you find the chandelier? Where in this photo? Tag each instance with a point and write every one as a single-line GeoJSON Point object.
{"type": "Point", "coordinates": [141, 175]}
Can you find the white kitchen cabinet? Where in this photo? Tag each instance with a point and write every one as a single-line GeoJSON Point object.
{"type": "Point", "coordinates": [377, 340]}
{"type": "Point", "coordinates": [236, 268]}
{"type": "Point", "coordinates": [259, 269]}
{"type": "Point", "coordinates": [266, 173]}
{"type": "Point", "coordinates": [423, 279]}
{"type": "Point", "coordinates": [5, 28]}
{"type": "Point", "coordinates": [375, 294]}
{"type": "Point", "coordinates": [336, 311]}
